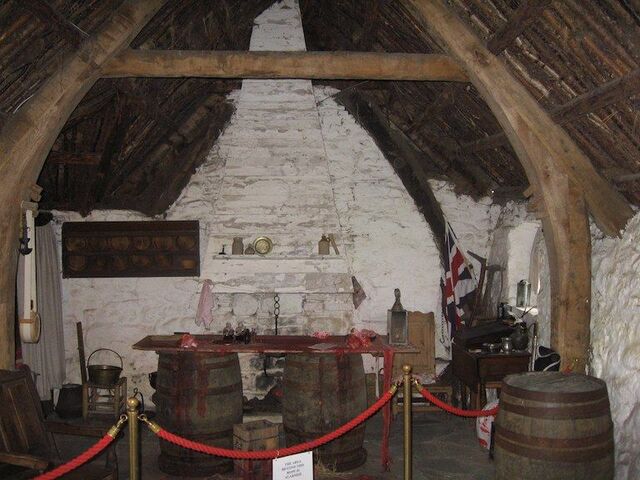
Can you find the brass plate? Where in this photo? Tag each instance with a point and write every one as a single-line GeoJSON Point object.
{"type": "Point", "coordinates": [262, 245]}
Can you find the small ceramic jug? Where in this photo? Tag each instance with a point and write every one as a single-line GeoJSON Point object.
{"type": "Point", "coordinates": [520, 337]}
{"type": "Point", "coordinates": [237, 247]}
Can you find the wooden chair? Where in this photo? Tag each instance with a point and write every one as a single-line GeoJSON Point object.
{"type": "Point", "coordinates": [26, 446]}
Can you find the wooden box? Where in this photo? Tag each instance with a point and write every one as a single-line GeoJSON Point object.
{"type": "Point", "coordinates": [252, 436]}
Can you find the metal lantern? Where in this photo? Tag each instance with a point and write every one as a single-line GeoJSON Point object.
{"type": "Point", "coordinates": [397, 322]}
{"type": "Point", "coordinates": [523, 294]}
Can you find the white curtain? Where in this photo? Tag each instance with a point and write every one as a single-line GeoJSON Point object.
{"type": "Point", "coordinates": [46, 358]}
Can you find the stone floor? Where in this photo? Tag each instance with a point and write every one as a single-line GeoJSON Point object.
{"type": "Point", "coordinates": [444, 447]}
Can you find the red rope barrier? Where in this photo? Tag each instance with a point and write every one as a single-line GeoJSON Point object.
{"type": "Point", "coordinates": [451, 409]}
{"type": "Point", "coordinates": [269, 454]}
{"type": "Point", "coordinates": [77, 461]}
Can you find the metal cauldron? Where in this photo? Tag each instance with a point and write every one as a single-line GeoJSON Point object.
{"type": "Point", "coordinates": [104, 374]}
{"type": "Point", "coordinates": [69, 404]}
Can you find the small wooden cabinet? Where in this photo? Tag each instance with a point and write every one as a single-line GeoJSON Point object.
{"type": "Point", "coordinates": [477, 369]}
{"type": "Point", "coordinates": [422, 336]}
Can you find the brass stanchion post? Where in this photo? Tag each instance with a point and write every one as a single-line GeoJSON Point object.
{"type": "Point", "coordinates": [407, 402]}
{"type": "Point", "coordinates": [134, 439]}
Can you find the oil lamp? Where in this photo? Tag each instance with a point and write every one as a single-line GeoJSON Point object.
{"type": "Point", "coordinates": [397, 321]}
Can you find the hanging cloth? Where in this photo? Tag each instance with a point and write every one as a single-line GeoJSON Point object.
{"type": "Point", "coordinates": [46, 358]}
{"type": "Point", "coordinates": [204, 316]}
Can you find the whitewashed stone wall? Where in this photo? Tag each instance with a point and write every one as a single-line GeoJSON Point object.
{"type": "Point", "coordinates": [511, 249]}
{"type": "Point", "coordinates": [292, 164]}
{"type": "Point", "coordinates": [389, 242]}
{"type": "Point", "coordinates": [615, 338]}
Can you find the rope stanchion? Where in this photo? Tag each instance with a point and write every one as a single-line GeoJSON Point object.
{"type": "Point", "coordinates": [428, 396]}
{"type": "Point", "coordinates": [87, 455]}
{"type": "Point", "coordinates": [270, 454]}
{"type": "Point", "coordinates": [407, 404]}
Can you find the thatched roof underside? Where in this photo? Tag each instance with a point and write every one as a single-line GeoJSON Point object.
{"type": "Point", "coordinates": [134, 143]}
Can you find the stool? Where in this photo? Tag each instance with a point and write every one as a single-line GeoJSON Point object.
{"type": "Point", "coordinates": [100, 399]}
{"type": "Point", "coordinates": [442, 391]}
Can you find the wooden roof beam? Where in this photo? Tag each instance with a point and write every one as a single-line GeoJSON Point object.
{"type": "Point", "coordinates": [306, 65]}
{"type": "Point", "coordinates": [50, 16]}
{"type": "Point", "coordinates": [527, 12]}
{"type": "Point", "coordinates": [607, 94]}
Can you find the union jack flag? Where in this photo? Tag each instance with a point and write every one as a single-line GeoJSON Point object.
{"type": "Point", "coordinates": [459, 282]}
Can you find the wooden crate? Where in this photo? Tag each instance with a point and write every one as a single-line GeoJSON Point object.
{"type": "Point", "coordinates": [252, 436]}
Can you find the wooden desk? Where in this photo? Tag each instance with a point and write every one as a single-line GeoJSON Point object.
{"type": "Point", "coordinates": [475, 370]}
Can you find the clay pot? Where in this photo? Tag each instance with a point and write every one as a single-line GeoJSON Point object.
{"type": "Point", "coordinates": [163, 243]}
{"type": "Point", "coordinates": [520, 337]}
{"type": "Point", "coordinates": [77, 263]}
{"type": "Point", "coordinates": [100, 262]}
{"type": "Point", "coordinates": [162, 260]}
{"type": "Point", "coordinates": [188, 263]}
{"type": "Point", "coordinates": [237, 247]}
{"type": "Point", "coordinates": [120, 243]}
{"type": "Point", "coordinates": [141, 243]}
{"type": "Point", "coordinates": [70, 401]}
{"type": "Point", "coordinates": [185, 242]}
{"type": "Point", "coordinates": [140, 261]}
{"type": "Point", "coordinates": [119, 263]}
{"type": "Point", "coordinates": [75, 244]}
{"type": "Point", "coordinates": [98, 244]}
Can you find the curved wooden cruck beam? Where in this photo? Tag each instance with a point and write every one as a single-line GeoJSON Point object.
{"type": "Point", "coordinates": [28, 136]}
{"type": "Point", "coordinates": [563, 180]}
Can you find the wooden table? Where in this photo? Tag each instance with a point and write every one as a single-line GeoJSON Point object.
{"type": "Point", "coordinates": [270, 344]}
{"type": "Point", "coordinates": [477, 369]}
{"type": "Point", "coordinates": [286, 344]}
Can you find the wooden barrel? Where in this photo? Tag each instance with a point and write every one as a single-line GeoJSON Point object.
{"type": "Point", "coordinates": [320, 393]}
{"type": "Point", "coordinates": [554, 426]}
{"type": "Point", "coordinates": [198, 396]}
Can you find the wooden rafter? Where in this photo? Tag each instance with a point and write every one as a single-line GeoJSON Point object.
{"type": "Point", "coordinates": [612, 92]}
{"type": "Point", "coordinates": [27, 140]}
{"type": "Point", "coordinates": [74, 158]}
{"type": "Point", "coordinates": [307, 65]}
{"type": "Point", "coordinates": [50, 16]}
{"type": "Point", "coordinates": [607, 94]}
{"type": "Point", "coordinates": [527, 12]}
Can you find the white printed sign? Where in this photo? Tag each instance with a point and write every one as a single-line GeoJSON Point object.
{"type": "Point", "coordinates": [294, 467]}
